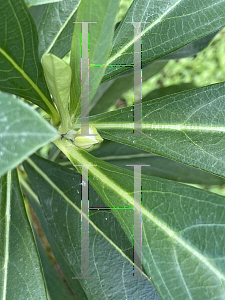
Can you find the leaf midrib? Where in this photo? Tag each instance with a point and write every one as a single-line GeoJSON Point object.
{"type": "Point", "coordinates": [28, 79]}
{"type": "Point", "coordinates": [178, 127]}
{"type": "Point", "coordinates": [122, 50]}
{"type": "Point", "coordinates": [117, 189]}
{"type": "Point", "coordinates": [50, 182]}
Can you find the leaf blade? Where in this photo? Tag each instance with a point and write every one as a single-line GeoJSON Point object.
{"type": "Point", "coordinates": [100, 38]}
{"type": "Point", "coordinates": [175, 217]}
{"type": "Point", "coordinates": [30, 3]}
{"type": "Point", "coordinates": [20, 66]}
{"type": "Point", "coordinates": [56, 27]}
{"type": "Point", "coordinates": [167, 30]}
{"type": "Point", "coordinates": [19, 258]}
{"type": "Point", "coordinates": [19, 137]}
{"type": "Point", "coordinates": [103, 243]}
{"type": "Point", "coordinates": [177, 127]}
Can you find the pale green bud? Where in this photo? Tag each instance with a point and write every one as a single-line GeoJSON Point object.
{"type": "Point", "coordinates": [87, 142]}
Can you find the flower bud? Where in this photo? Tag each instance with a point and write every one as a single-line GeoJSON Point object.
{"type": "Point", "coordinates": [87, 142]}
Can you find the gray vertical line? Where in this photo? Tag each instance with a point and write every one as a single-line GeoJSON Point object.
{"type": "Point", "coordinates": [85, 225]}
{"type": "Point", "coordinates": [137, 222]}
{"type": "Point", "coordinates": [137, 79]}
{"type": "Point", "coordinates": [137, 250]}
{"type": "Point", "coordinates": [85, 80]}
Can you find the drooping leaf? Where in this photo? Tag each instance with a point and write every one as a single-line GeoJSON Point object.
{"type": "Point", "coordinates": [58, 78]}
{"type": "Point", "coordinates": [56, 27]}
{"type": "Point", "coordinates": [22, 132]}
{"type": "Point", "coordinates": [100, 37]}
{"type": "Point", "coordinates": [167, 29]}
{"type": "Point", "coordinates": [21, 274]}
{"type": "Point", "coordinates": [182, 227]}
{"type": "Point", "coordinates": [21, 72]}
{"type": "Point", "coordinates": [110, 251]}
{"type": "Point", "coordinates": [187, 127]}
{"type": "Point", "coordinates": [30, 3]}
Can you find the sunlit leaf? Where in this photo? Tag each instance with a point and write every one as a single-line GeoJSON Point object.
{"type": "Point", "coordinates": [58, 78]}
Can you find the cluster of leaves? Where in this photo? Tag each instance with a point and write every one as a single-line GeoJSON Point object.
{"type": "Point", "coordinates": [182, 227]}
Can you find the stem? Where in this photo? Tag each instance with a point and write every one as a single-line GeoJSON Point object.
{"type": "Point", "coordinates": [72, 152]}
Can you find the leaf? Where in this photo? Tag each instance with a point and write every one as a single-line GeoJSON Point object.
{"type": "Point", "coordinates": [56, 27]}
{"type": "Point", "coordinates": [37, 13]}
{"type": "Point", "coordinates": [58, 78]}
{"type": "Point", "coordinates": [21, 72]}
{"type": "Point", "coordinates": [21, 274]}
{"type": "Point", "coordinates": [100, 37]}
{"type": "Point", "coordinates": [187, 127]}
{"type": "Point", "coordinates": [122, 155]}
{"type": "Point", "coordinates": [104, 99]}
{"type": "Point", "coordinates": [182, 227]}
{"type": "Point", "coordinates": [110, 250]}
{"type": "Point", "coordinates": [168, 90]}
{"type": "Point", "coordinates": [192, 48]}
{"type": "Point", "coordinates": [57, 289]}
{"type": "Point", "coordinates": [167, 29]}
{"type": "Point", "coordinates": [22, 132]}
{"type": "Point", "coordinates": [60, 258]}
{"type": "Point", "coordinates": [30, 3]}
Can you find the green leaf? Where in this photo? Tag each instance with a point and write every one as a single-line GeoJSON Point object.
{"type": "Point", "coordinates": [187, 127]}
{"type": "Point", "coordinates": [57, 289]}
{"type": "Point", "coordinates": [60, 257]}
{"type": "Point", "coordinates": [37, 13]}
{"type": "Point", "coordinates": [182, 227]}
{"type": "Point", "coordinates": [122, 155]}
{"type": "Point", "coordinates": [166, 91]}
{"type": "Point", "coordinates": [167, 30]}
{"type": "Point", "coordinates": [110, 250]}
{"type": "Point", "coordinates": [56, 27]}
{"type": "Point", "coordinates": [58, 78]}
{"type": "Point", "coordinates": [39, 2]}
{"type": "Point", "coordinates": [100, 37]}
{"type": "Point", "coordinates": [22, 132]}
{"type": "Point", "coordinates": [21, 72]}
{"type": "Point", "coordinates": [21, 274]}
{"type": "Point", "coordinates": [192, 48]}
{"type": "Point", "coordinates": [105, 97]}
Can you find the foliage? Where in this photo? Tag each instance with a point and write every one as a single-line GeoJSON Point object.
{"type": "Point", "coordinates": [182, 250]}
